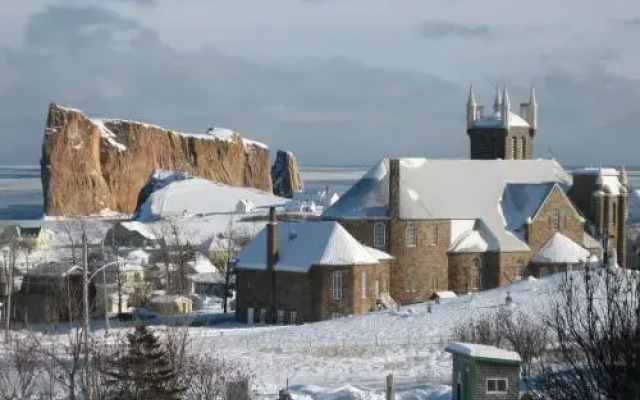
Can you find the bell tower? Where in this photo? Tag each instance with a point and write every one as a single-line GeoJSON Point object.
{"type": "Point", "coordinates": [502, 134]}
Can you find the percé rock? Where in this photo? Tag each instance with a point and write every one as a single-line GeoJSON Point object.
{"type": "Point", "coordinates": [90, 165]}
{"type": "Point", "coordinates": [285, 175]}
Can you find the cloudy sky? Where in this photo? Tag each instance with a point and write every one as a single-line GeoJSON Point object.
{"type": "Point", "coordinates": [336, 81]}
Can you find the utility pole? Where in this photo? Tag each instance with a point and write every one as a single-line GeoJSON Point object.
{"type": "Point", "coordinates": [104, 292]}
{"type": "Point", "coordinates": [85, 314]}
{"type": "Point", "coordinates": [6, 308]}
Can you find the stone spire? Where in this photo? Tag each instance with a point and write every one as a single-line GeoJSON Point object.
{"type": "Point", "coordinates": [624, 179]}
{"type": "Point", "coordinates": [497, 102]}
{"type": "Point", "coordinates": [533, 109]}
{"type": "Point", "coordinates": [472, 107]}
{"type": "Point", "coordinates": [600, 178]}
{"type": "Point", "coordinates": [505, 110]}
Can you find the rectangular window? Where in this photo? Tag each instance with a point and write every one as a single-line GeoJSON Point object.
{"type": "Point", "coordinates": [520, 265]}
{"type": "Point", "coordinates": [555, 219]}
{"type": "Point", "coordinates": [433, 235]}
{"type": "Point", "coordinates": [293, 317]}
{"type": "Point", "coordinates": [497, 385]}
{"type": "Point", "coordinates": [365, 284]}
{"type": "Point", "coordinates": [336, 287]}
{"type": "Point", "coordinates": [410, 236]}
{"type": "Point", "coordinates": [379, 236]}
{"type": "Point", "coordinates": [280, 317]}
{"type": "Point", "coordinates": [263, 315]}
{"type": "Point", "coordinates": [434, 283]}
{"type": "Point", "coordinates": [377, 288]}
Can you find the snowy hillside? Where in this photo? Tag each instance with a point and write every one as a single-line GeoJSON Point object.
{"type": "Point", "coordinates": [198, 196]}
{"type": "Point", "coordinates": [348, 358]}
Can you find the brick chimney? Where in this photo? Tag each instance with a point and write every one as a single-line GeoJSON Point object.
{"type": "Point", "coordinates": [272, 259]}
{"type": "Point", "coordinates": [272, 239]}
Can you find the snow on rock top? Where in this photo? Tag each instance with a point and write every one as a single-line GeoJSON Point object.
{"type": "Point", "coordinates": [303, 244]}
{"type": "Point", "coordinates": [561, 249]}
{"type": "Point", "coordinates": [199, 196]}
{"type": "Point", "coordinates": [483, 351]}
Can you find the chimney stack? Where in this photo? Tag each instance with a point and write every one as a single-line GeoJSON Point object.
{"type": "Point", "coordinates": [272, 239]}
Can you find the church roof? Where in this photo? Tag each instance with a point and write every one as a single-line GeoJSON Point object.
{"type": "Point", "coordinates": [560, 250]}
{"type": "Point", "coordinates": [523, 200]}
{"type": "Point", "coordinates": [495, 121]}
{"type": "Point", "coordinates": [477, 240]}
{"type": "Point", "coordinates": [447, 189]}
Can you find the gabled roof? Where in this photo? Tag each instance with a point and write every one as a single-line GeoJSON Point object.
{"type": "Point", "coordinates": [483, 351]}
{"type": "Point", "coordinates": [477, 240]}
{"type": "Point", "coordinates": [139, 227]}
{"type": "Point", "coordinates": [523, 200]}
{"type": "Point", "coordinates": [495, 121]}
{"type": "Point", "coordinates": [560, 249]}
{"type": "Point", "coordinates": [447, 189]}
{"type": "Point", "coordinates": [303, 244]}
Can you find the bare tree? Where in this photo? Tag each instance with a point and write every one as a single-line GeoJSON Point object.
{"type": "Point", "coordinates": [596, 354]}
{"type": "Point", "coordinates": [176, 251]}
{"type": "Point", "coordinates": [227, 244]}
{"type": "Point", "coordinates": [20, 370]}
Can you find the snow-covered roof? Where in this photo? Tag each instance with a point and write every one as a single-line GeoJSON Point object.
{"type": "Point", "coordinates": [208, 277]}
{"type": "Point", "coordinates": [561, 249]}
{"type": "Point", "coordinates": [202, 265]}
{"type": "Point", "coordinates": [495, 121]}
{"type": "Point", "coordinates": [523, 200]}
{"type": "Point", "coordinates": [169, 299]}
{"type": "Point", "coordinates": [139, 227]}
{"type": "Point", "coordinates": [590, 242]}
{"type": "Point", "coordinates": [447, 189]}
{"type": "Point", "coordinates": [139, 256]}
{"type": "Point", "coordinates": [477, 240]}
{"type": "Point", "coordinates": [303, 244]}
{"type": "Point", "coordinates": [445, 294]}
{"type": "Point", "coordinates": [379, 254]}
{"type": "Point", "coordinates": [483, 351]}
{"type": "Point", "coordinates": [201, 196]}
{"type": "Point", "coordinates": [610, 177]}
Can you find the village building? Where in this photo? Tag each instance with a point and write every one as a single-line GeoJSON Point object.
{"type": "Point", "coordinates": [294, 272]}
{"type": "Point", "coordinates": [482, 372]}
{"type": "Point", "coordinates": [130, 234]}
{"type": "Point", "coordinates": [172, 304]}
{"type": "Point", "coordinates": [464, 225]}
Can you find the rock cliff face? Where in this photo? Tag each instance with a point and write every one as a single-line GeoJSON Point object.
{"type": "Point", "coordinates": [91, 165]}
{"type": "Point", "coordinates": [285, 175]}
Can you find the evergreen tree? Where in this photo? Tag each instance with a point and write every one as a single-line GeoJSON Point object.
{"type": "Point", "coordinates": [143, 371]}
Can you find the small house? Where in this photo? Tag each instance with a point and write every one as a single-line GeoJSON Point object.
{"type": "Point", "coordinates": [482, 372]}
{"type": "Point", "coordinates": [173, 304]}
{"type": "Point", "coordinates": [294, 272]}
{"type": "Point", "coordinates": [130, 234]}
{"type": "Point", "coordinates": [244, 206]}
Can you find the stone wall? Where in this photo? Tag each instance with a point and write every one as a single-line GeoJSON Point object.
{"type": "Point", "coordinates": [420, 270]}
{"type": "Point", "coordinates": [541, 229]}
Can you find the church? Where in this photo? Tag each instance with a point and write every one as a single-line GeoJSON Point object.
{"type": "Point", "coordinates": [475, 224]}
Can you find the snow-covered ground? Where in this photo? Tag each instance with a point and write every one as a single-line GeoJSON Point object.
{"type": "Point", "coordinates": [349, 358]}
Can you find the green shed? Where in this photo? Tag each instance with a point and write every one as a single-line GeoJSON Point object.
{"type": "Point", "coordinates": [483, 372]}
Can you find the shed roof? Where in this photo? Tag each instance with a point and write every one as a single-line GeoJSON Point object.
{"type": "Point", "coordinates": [483, 351]}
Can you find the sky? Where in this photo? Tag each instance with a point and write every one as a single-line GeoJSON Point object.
{"type": "Point", "coordinates": [338, 82]}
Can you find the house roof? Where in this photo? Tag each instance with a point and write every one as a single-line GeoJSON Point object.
{"type": "Point", "coordinates": [610, 177]}
{"type": "Point", "coordinates": [202, 265]}
{"type": "Point", "coordinates": [483, 351]}
{"type": "Point", "coordinates": [589, 242]}
{"type": "Point", "coordinates": [307, 243]}
{"type": "Point", "coordinates": [139, 227]}
{"type": "Point", "coordinates": [448, 189]}
{"type": "Point", "coordinates": [54, 269]}
{"type": "Point", "coordinates": [495, 121]}
{"type": "Point", "coordinates": [379, 254]}
{"type": "Point", "coordinates": [561, 249]}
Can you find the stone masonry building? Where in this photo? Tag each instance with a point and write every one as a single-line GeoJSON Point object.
{"type": "Point", "coordinates": [294, 272]}
{"type": "Point", "coordinates": [465, 225]}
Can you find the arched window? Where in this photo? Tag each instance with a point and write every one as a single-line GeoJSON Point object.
{"type": "Point", "coordinates": [520, 267]}
{"type": "Point", "coordinates": [478, 266]}
{"type": "Point", "coordinates": [433, 235]}
{"type": "Point", "coordinates": [379, 236]}
{"type": "Point", "coordinates": [410, 235]}
{"type": "Point", "coordinates": [523, 148]}
{"type": "Point", "coordinates": [514, 148]}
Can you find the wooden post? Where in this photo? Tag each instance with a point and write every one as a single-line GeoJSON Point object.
{"type": "Point", "coordinates": [389, 392]}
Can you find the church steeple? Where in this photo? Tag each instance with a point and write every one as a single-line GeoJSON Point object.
{"type": "Point", "coordinates": [472, 107]}
{"type": "Point", "coordinates": [505, 110]}
{"type": "Point", "coordinates": [497, 102]}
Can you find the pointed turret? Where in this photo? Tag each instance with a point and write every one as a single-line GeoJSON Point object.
{"type": "Point", "coordinates": [472, 107]}
{"type": "Point", "coordinates": [497, 102]}
{"type": "Point", "coordinates": [600, 178]}
{"type": "Point", "coordinates": [505, 110]}
{"type": "Point", "coordinates": [624, 179]}
{"type": "Point", "coordinates": [533, 109]}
